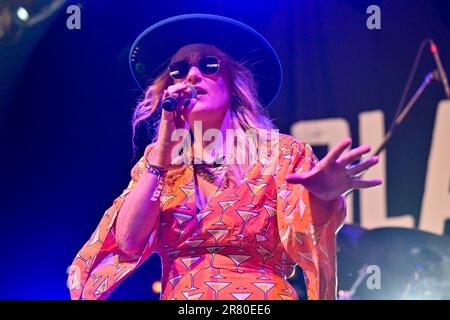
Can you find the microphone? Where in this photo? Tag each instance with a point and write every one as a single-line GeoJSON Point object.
{"type": "Point", "coordinates": [170, 103]}
{"type": "Point", "coordinates": [440, 68]}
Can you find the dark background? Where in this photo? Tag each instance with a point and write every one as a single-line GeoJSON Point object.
{"type": "Point", "coordinates": [67, 96]}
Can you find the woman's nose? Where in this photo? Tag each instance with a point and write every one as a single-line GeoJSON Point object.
{"type": "Point", "coordinates": [194, 75]}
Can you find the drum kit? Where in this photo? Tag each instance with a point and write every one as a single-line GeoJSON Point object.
{"type": "Point", "coordinates": [392, 263]}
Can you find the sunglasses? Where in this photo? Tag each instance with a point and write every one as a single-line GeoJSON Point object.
{"type": "Point", "coordinates": [207, 65]}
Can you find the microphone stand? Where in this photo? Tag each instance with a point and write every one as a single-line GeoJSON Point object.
{"type": "Point", "coordinates": [430, 76]}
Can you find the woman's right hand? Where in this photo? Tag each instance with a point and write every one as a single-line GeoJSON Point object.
{"type": "Point", "coordinates": [170, 121]}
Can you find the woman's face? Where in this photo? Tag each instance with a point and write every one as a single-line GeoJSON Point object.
{"type": "Point", "coordinates": [213, 97]}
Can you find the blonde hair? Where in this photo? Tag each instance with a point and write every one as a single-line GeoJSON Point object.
{"type": "Point", "coordinates": [247, 112]}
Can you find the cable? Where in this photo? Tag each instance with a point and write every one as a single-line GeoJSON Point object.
{"type": "Point", "coordinates": [409, 81]}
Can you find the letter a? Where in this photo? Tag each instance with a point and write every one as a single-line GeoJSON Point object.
{"type": "Point", "coordinates": [374, 20]}
{"type": "Point", "coordinates": [374, 280]}
{"type": "Point", "coordinates": [74, 20]}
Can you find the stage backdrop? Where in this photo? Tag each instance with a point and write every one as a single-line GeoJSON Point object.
{"type": "Point", "coordinates": [66, 135]}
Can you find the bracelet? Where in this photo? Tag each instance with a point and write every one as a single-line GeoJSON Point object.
{"type": "Point", "coordinates": [158, 189]}
{"type": "Point", "coordinates": [160, 173]}
{"type": "Point", "coordinates": [156, 166]}
{"type": "Point", "coordinates": [160, 176]}
{"type": "Point", "coordinates": [155, 170]}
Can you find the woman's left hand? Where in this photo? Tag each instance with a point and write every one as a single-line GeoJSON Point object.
{"type": "Point", "coordinates": [336, 174]}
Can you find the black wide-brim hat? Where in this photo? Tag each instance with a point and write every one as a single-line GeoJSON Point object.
{"type": "Point", "coordinates": [151, 52]}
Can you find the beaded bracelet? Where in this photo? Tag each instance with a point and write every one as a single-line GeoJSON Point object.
{"type": "Point", "coordinates": [155, 170]}
{"type": "Point", "coordinates": [160, 173]}
{"type": "Point", "coordinates": [156, 166]}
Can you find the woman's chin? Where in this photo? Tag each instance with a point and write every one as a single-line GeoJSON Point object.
{"type": "Point", "coordinates": [201, 109]}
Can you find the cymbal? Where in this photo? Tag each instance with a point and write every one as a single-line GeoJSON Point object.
{"type": "Point", "coordinates": [350, 233]}
{"type": "Point", "coordinates": [349, 260]}
{"type": "Point", "coordinates": [409, 260]}
{"type": "Point", "coordinates": [347, 240]}
{"type": "Point", "coordinates": [400, 243]}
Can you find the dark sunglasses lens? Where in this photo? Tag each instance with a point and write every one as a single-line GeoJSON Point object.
{"type": "Point", "coordinates": [179, 69]}
{"type": "Point", "coordinates": [209, 65]}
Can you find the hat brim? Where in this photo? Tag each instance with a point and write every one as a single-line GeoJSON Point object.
{"type": "Point", "coordinates": [151, 52]}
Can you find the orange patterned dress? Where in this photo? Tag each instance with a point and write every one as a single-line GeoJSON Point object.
{"type": "Point", "coordinates": [243, 244]}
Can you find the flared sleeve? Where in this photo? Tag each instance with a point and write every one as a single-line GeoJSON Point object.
{"type": "Point", "coordinates": [311, 245]}
{"type": "Point", "coordinates": [99, 267]}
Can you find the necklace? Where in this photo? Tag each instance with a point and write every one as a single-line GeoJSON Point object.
{"type": "Point", "coordinates": [212, 172]}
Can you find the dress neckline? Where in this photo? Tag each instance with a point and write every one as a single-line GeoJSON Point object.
{"type": "Point", "coordinates": [199, 197]}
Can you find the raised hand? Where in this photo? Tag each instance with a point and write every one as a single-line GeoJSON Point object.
{"type": "Point", "coordinates": [170, 121]}
{"type": "Point", "coordinates": [337, 172]}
